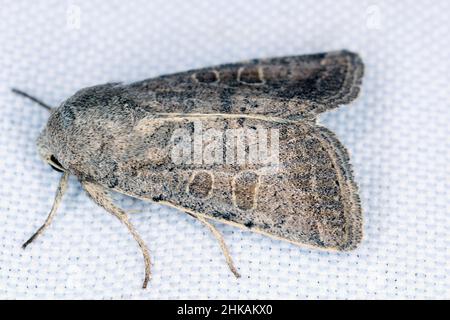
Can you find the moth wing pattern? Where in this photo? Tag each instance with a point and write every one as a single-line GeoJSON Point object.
{"type": "Point", "coordinates": [310, 199]}
{"type": "Point", "coordinates": [288, 87]}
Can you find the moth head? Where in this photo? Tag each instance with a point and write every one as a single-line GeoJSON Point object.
{"type": "Point", "coordinates": [48, 139]}
{"type": "Point", "coordinates": [47, 147]}
{"type": "Point", "coordinates": [70, 132]}
{"type": "Point", "coordinates": [45, 142]}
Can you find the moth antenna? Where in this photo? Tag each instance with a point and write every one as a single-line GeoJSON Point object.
{"type": "Point", "coordinates": [62, 187]}
{"type": "Point", "coordinates": [36, 100]}
{"type": "Point", "coordinates": [222, 243]}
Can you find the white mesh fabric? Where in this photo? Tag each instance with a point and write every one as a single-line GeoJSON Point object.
{"type": "Point", "coordinates": [397, 133]}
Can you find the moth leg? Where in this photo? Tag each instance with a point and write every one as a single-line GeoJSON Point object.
{"type": "Point", "coordinates": [62, 187]}
{"type": "Point", "coordinates": [222, 243]}
{"type": "Point", "coordinates": [102, 198]}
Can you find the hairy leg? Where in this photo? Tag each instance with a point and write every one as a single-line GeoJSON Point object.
{"type": "Point", "coordinates": [102, 198]}
{"type": "Point", "coordinates": [62, 187]}
{"type": "Point", "coordinates": [222, 243]}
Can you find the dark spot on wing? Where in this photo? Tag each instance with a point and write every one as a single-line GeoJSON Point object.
{"type": "Point", "coordinates": [223, 215]}
{"type": "Point", "coordinates": [157, 198]}
{"type": "Point", "coordinates": [113, 182]}
{"type": "Point", "coordinates": [201, 184]}
{"type": "Point", "coordinates": [250, 75]}
{"type": "Point", "coordinates": [249, 224]}
{"type": "Point", "coordinates": [225, 99]}
{"type": "Point", "coordinates": [206, 76]}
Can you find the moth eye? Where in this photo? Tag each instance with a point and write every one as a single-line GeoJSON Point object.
{"type": "Point", "coordinates": [55, 161]}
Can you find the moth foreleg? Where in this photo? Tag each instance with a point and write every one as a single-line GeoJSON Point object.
{"type": "Point", "coordinates": [102, 198]}
{"type": "Point", "coordinates": [222, 243]}
{"type": "Point", "coordinates": [59, 194]}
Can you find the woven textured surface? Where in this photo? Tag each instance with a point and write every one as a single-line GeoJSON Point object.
{"type": "Point", "coordinates": [397, 133]}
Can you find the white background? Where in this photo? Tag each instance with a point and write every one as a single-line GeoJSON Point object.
{"type": "Point", "coordinates": [397, 133]}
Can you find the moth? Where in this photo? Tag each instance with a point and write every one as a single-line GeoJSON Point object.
{"type": "Point", "coordinates": [142, 140]}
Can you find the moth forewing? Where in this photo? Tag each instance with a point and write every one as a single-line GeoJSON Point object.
{"type": "Point", "coordinates": [296, 87]}
{"type": "Point", "coordinates": [297, 186]}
